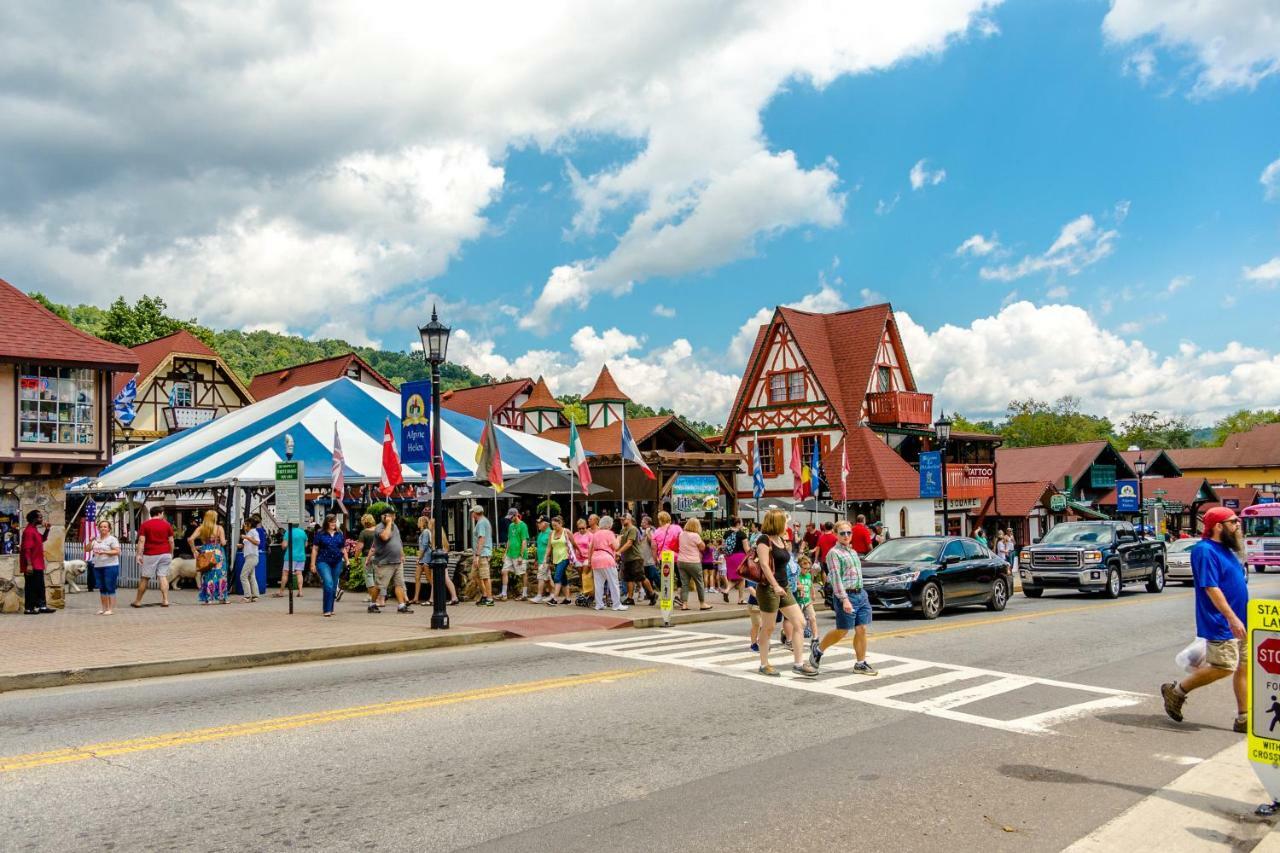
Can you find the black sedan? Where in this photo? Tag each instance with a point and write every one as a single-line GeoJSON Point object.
{"type": "Point", "coordinates": [930, 573]}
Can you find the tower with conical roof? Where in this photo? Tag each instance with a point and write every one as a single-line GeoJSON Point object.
{"type": "Point", "coordinates": [542, 411]}
{"type": "Point", "coordinates": [606, 404]}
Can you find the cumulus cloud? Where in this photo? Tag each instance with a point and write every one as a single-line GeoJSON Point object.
{"type": "Point", "coordinates": [825, 299]}
{"type": "Point", "coordinates": [661, 310]}
{"type": "Point", "coordinates": [1270, 180]}
{"type": "Point", "coordinates": [922, 177]}
{"type": "Point", "coordinates": [1080, 243]}
{"type": "Point", "coordinates": [1235, 43]}
{"type": "Point", "coordinates": [978, 246]}
{"type": "Point", "coordinates": [232, 157]}
{"type": "Point", "coordinates": [1025, 349]}
{"type": "Point", "coordinates": [1267, 273]}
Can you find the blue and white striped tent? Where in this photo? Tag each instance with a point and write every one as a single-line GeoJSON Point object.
{"type": "Point", "coordinates": [243, 446]}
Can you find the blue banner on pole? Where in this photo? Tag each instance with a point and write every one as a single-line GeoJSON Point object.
{"type": "Point", "coordinates": [1127, 496]}
{"type": "Point", "coordinates": [931, 474]}
{"type": "Point", "coordinates": [415, 422]}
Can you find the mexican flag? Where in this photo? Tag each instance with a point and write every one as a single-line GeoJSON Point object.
{"type": "Point", "coordinates": [578, 458]}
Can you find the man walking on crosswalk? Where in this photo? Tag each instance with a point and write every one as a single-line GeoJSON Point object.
{"type": "Point", "coordinates": [852, 607]}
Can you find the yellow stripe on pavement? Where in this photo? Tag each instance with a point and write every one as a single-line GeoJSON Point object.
{"type": "Point", "coordinates": [297, 721]}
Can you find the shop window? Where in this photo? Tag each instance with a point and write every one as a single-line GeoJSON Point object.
{"type": "Point", "coordinates": [180, 395]}
{"type": "Point", "coordinates": [56, 405]}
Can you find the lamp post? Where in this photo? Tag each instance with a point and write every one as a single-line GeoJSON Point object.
{"type": "Point", "coordinates": [435, 343]}
{"type": "Point", "coordinates": [942, 430]}
{"type": "Point", "coordinates": [1140, 467]}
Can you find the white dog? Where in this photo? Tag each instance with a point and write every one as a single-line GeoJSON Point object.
{"type": "Point", "coordinates": [182, 568]}
{"type": "Point", "coordinates": [73, 570]}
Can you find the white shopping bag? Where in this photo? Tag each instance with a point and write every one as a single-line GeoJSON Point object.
{"type": "Point", "coordinates": [1192, 657]}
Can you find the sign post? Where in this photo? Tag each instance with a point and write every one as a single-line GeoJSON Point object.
{"type": "Point", "coordinates": [1264, 695]}
{"type": "Point", "coordinates": [290, 509]}
{"type": "Point", "coordinates": [666, 585]}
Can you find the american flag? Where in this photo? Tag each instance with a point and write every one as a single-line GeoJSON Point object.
{"type": "Point", "coordinates": [87, 524]}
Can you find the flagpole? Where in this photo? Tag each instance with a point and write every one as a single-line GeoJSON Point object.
{"type": "Point", "coordinates": [622, 468]}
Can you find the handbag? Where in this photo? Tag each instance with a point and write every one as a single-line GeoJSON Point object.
{"type": "Point", "coordinates": [750, 568]}
{"type": "Point", "coordinates": [206, 560]}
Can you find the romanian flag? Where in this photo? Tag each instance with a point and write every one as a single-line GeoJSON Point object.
{"type": "Point", "coordinates": [488, 456]}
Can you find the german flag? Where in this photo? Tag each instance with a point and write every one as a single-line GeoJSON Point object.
{"type": "Point", "coordinates": [488, 456]}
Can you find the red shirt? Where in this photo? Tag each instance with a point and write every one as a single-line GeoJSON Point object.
{"type": "Point", "coordinates": [862, 538]}
{"type": "Point", "coordinates": [826, 542]}
{"type": "Point", "coordinates": [31, 555]}
{"type": "Point", "coordinates": [155, 534]}
{"type": "Point", "coordinates": [811, 539]}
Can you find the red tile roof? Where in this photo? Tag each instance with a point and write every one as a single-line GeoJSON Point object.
{"type": "Point", "coordinates": [477, 401]}
{"type": "Point", "coordinates": [31, 332]}
{"type": "Point", "coordinates": [1184, 490]}
{"type": "Point", "coordinates": [1244, 496]}
{"type": "Point", "coordinates": [273, 382]}
{"type": "Point", "coordinates": [1257, 448]}
{"type": "Point", "coordinates": [1050, 463]}
{"type": "Point", "coordinates": [605, 389]}
{"type": "Point", "coordinates": [1018, 500]}
{"type": "Point", "coordinates": [876, 472]}
{"type": "Point", "coordinates": [608, 439]}
{"type": "Point", "coordinates": [540, 398]}
{"type": "Point", "coordinates": [1153, 458]}
{"type": "Point", "coordinates": [154, 353]}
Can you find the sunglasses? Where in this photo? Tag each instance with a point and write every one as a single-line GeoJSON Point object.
{"type": "Point", "coordinates": [1234, 521]}
{"type": "Point", "coordinates": [844, 532]}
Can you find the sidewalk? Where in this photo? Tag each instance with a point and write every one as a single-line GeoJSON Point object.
{"type": "Point", "coordinates": [76, 646]}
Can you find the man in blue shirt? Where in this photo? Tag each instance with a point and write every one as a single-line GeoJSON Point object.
{"type": "Point", "coordinates": [1222, 601]}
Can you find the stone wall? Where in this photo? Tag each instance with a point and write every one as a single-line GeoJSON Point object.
{"type": "Point", "coordinates": [50, 497]}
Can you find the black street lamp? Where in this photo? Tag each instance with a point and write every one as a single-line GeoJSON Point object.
{"type": "Point", "coordinates": [435, 343]}
{"type": "Point", "coordinates": [1140, 466]}
{"type": "Point", "coordinates": [942, 430]}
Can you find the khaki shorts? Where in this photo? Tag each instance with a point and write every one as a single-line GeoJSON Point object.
{"type": "Point", "coordinates": [513, 564]}
{"type": "Point", "coordinates": [389, 576]}
{"type": "Point", "coordinates": [1224, 654]}
{"type": "Point", "coordinates": [156, 565]}
{"type": "Point", "coordinates": [480, 568]}
{"type": "Point", "coordinates": [770, 601]}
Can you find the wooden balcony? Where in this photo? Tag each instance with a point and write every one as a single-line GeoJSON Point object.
{"type": "Point", "coordinates": [970, 481]}
{"type": "Point", "coordinates": [900, 407]}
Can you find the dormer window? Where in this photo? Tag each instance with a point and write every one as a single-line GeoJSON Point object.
{"type": "Point", "coordinates": [786, 386]}
{"type": "Point", "coordinates": [353, 372]}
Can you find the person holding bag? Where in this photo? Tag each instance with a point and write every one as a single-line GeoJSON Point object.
{"type": "Point", "coordinates": [211, 562]}
{"type": "Point", "coordinates": [772, 556]}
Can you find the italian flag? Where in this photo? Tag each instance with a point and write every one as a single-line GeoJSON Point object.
{"type": "Point", "coordinates": [578, 458]}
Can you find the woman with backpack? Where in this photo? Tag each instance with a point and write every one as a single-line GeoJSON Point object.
{"type": "Point", "coordinates": [771, 557]}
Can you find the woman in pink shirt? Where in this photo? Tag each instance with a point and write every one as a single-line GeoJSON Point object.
{"type": "Point", "coordinates": [689, 563]}
{"type": "Point", "coordinates": [604, 564]}
{"type": "Point", "coordinates": [582, 559]}
{"type": "Point", "coordinates": [666, 537]}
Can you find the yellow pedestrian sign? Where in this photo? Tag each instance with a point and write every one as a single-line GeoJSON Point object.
{"type": "Point", "coordinates": [1264, 693]}
{"type": "Point", "coordinates": [666, 585]}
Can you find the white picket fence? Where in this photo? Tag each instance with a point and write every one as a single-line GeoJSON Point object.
{"type": "Point", "coordinates": [128, 561]}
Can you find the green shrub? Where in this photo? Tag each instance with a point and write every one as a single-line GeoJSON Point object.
{"type": "Point", "coordinates": [355, 574]}
{"type": "Point", "coordinates": [548, 508]}
{"type": "Point", "coordinates": [377, 509]}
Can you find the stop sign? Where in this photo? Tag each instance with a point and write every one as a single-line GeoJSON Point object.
{"type": "Point", "coordinates": [1269, 655]}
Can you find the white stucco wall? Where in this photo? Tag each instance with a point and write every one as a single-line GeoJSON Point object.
{"type": "Point", "coordinates": [919, 517]}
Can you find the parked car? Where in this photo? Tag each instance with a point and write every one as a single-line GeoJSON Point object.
{"type": "Point", "coordinates": [1092, 556]}
{"type": "Point", "coordinates": [930, 573]}
{"type": "Point", "coordinates": [1177, 565]}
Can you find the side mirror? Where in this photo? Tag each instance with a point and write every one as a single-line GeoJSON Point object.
{"type": "Point", "coordinates": [951, 559]}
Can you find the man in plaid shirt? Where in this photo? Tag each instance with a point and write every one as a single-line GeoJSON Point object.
{"type": "Point", "coordinates": [852, 607]}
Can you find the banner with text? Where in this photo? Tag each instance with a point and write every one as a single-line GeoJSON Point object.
{"type": "Point", "coordinates": [931, 474]}
{"type": "Point", "coordinates": [415, 422]}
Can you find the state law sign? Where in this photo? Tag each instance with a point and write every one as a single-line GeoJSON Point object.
{"type": "Point", "coordinates": [1264, 693]}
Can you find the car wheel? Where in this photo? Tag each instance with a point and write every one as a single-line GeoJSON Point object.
{"type": "Point", "coordinates": [1155, 583]}
{"type": "Point", "coordinates": [1030, 592]}
{"type": "Point", "coordinates": [1113, 583]}
{"type": "Point", "coordinates": [931, 600]}
{"type": "Point", "coordinates": [999, 595]}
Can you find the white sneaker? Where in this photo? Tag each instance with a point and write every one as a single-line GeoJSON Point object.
{"type": "Point", "coordinates": [599, 607]}
{"type": "Point", "coordinates": [537, 599]}
{"type": "Point", "coordinates": [622, 607]}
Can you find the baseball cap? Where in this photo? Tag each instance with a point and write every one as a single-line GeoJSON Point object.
{"type": "Point", "coordinates": [1213, 518]}
{"type": "Point", "coordinates": [477, 508]}
{"type": "Point", "coordinates": [512, 513]}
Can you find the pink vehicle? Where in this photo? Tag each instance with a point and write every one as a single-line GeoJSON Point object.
{"type": "Point", "coordinates": [1261, 535]}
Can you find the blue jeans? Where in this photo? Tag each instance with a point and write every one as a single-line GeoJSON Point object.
{"type": "Point", "coordinates": [108, 577]}
{"type": "Point", "coordinates": [329, 578]}
{"type": "Point", "coordinates": [562, 572]}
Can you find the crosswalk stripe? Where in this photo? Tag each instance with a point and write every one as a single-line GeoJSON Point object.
{"type": "Point", "coordinates": [977, 693]}
{"type": "Point", "coordinates": [916, 685]}
{"type": "Point", "coordinates": [884, 671]}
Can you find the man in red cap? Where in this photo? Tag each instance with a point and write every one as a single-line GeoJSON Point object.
{"type": "Point", "coordinates": [1222, 600]}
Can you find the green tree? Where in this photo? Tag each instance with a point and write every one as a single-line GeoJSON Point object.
{"type": "Point", "coordinates": [960, 423]}
{"type": "Point", "coordinates": [1034, 423]}
{"type": "Point", "coordinates": [1148, 429]}
{"type": "Point", "coordinates": [574, 409]}
{"type": "Point", "coordinates": [1242, 421]}
{"type": "Point", "coordinates": [60, 310]}
{"type": "Point", "coordinates": [146, 320]}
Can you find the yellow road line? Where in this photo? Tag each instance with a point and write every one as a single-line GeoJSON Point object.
{"type": "Point", "coordinates": [297, 721]}
{"type": "Point", "coordinates": [1017, 617]}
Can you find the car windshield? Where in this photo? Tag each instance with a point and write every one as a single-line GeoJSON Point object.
{"type": "Point", "coordinates": [1182, 545]}
{"type": "Point", "coordinates": [907, 551]}
{"type": "Point", "coordinates": [1077, 534]}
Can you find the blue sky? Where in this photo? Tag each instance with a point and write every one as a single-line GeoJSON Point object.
{"type": "Point", "coordinates": [582, 186]}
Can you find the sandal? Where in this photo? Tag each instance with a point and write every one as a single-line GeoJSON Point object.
{"type": "Point", "coordinates": [705, 607]}
{"type": "Point", "coordinates": [768, 670]}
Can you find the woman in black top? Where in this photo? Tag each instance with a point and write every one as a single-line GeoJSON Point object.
{"type": "Point", "coordinates": [774, 596]}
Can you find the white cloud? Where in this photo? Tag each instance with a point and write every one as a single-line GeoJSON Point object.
{"type": "Point", "coordinates": [1268, 273]}
{"type": "Point", "coordinates": [1079, 244]}
{"type": "Point", "coordinates": [871, 297]}
{"type": "Point", "coordinates": [1060, 349]}
{"type": "Point", "coordinates": [291, 179]}
{"type": "Point", "coordinates": [1141, 64]}
{"type": "Point", "coordinates": [825, 299]}
{"type": "Point", "coordinates": [1178, 282]}
{"type": "Point", "coordinates": [1058, 293]}
{"type": "Point", "coordinates": [1236, 43]}
{"type": "Point", "coordinates": [661, 310]}
{"type": "Point", "coordinates": [922, 177]}
{"type": "Point", "coordinates": [978, 246]}
{"type": "Point", "coordinates": [1270, 180]}
{"type": "Point", "coordinates": [885, 207]}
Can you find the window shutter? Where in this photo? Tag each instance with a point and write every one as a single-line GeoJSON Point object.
{"type": "Point", "coordinates": [777, 457]}
{"type": "Point", "coordinates": [751, 454]}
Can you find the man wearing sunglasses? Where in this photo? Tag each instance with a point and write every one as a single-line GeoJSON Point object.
{"type": "Point", "coordinates": [1222, 600]}
{"type": "Point", "coordinates": [851, 605]}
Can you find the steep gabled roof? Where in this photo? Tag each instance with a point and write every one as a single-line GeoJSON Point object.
{"type": "Point", "coordinates": [154, 354]}
{"type": "Point", "coordinates": [540, 398]}
{"type": "Point", "coordinates": [1242, 495]}
{"type": "Point", "coordinates": [1183, 490]}
{"type": "Point", "coordinates": [1049, 463]}
{"type": "Point", "coordinates": [608, 439]}
{"type": "Point", "coordinates": [31, 332]}
{"type": "Point", "coordinates": [876, 472]}
{"type": "Point", "coordinates": [269, 384]}
{"type": "Point", "coordinates": [1155, 459]}
{"type": "Point", "coordinates": [479, 400]}
{"type": "Point", "coordinates": [605, 390]}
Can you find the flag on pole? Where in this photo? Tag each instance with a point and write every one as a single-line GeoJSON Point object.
{"type": "Point", "coordinates": [123, 403]}
{"type": "Point", "coordinates": [391, 473]}
{"type": "Point", "coordinates": [88, 526]}
{"type": "Point", "coordinates": [488, 456]}
{"type": "Point", "coordinates": [815, 468]}
{"type": "Point", "coordinates": [757, 473]}
{"type": "Point", "coordinates": [631, 453]}
{"type": "Point", "coordinates": [798, 471]}
{"type": "Point", "coordinates": [339, 463]}
{"type": "Point", "coordinates": [173, 396]}
{"type": "Point", "coordinates": [844, 469]}
{"type": "Point", "coordinates": [578, 458]}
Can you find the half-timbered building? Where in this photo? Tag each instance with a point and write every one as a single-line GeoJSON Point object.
{"type": "Point", "coordinates": [182, 382]}
{"type": "Point", "coordinates": [348, 365]}
{"type": "Point", "coordinates": [504, 399]}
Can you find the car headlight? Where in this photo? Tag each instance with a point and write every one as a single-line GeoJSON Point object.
{"type": "Point", "coordinates": [899, 581]}
{"type": "Point", "coordinates": [1024, 556]}
{"type": "Point", "coordinates": [1093, 556]}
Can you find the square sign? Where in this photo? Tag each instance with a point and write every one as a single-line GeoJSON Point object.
{"type": "Point", "coordinates": [290, 503]}
{"type": "Point", "coordinates": [1264, 692]}
{"type": "Point", "coordinates": [1127, 496]}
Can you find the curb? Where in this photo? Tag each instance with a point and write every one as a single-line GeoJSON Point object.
{"type": "Point", "coordinates": [218, 663]}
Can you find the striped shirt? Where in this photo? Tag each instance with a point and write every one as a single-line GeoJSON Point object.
{"type": "Point", "coordinates": [844, 569]}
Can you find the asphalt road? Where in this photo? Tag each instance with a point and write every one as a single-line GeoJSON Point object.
{"type": "Point", "coordinates": [552, 745]}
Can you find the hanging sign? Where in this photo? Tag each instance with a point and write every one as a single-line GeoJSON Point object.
{"type": "Point", "coordinates": [415, 422]}
{"type": "Point", "coordinates": [1127, 496]}
{"type": "Point", "coordinates": [931, 474]}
